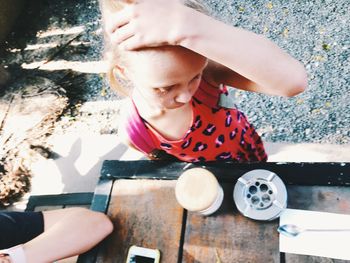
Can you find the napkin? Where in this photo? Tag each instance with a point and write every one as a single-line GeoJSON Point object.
{"type": "Point", "coordinates": [324, 244]}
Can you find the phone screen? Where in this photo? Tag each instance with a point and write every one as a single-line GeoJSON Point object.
{"type": "Point", "coordinates": [140, 259]}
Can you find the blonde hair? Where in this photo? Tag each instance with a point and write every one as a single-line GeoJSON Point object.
{"type": "Point", "coordinates": [113, 55]}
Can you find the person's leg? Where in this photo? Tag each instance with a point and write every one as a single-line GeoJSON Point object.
{"type": "Point", "coordinates": [67, 232]}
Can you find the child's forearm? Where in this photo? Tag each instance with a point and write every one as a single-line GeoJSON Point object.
{"type": "Point", "coordinates": [252, 56]}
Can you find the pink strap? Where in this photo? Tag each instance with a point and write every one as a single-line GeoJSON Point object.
{"type": "Point", "coordinates": [137, 131]}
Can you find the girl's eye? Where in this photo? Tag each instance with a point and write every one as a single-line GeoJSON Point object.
{"type": "Point", "coordinates": [163, 91]}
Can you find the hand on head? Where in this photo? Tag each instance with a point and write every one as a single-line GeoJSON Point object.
{"type": "Point", "coordinates": [147, 23]}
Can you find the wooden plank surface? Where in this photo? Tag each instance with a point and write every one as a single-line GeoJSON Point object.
{"type": "Point", "coordinates": [144, 213]}
{"type": "Point", "coordinates": [235, 237]}
{"type": "Point", "coordinates": [321, 198]}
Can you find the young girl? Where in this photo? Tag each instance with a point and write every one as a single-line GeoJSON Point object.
{"type": "Point", "coordinates": [178, 60]}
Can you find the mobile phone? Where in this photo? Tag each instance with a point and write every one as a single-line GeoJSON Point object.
{"type": "Point", "coordinates": [143, 255]}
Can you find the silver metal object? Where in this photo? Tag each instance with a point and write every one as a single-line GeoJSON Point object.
{"type": "Point", "coordinates": [291, 230]}
{"type": "Point", "coordinates": [260, 195]}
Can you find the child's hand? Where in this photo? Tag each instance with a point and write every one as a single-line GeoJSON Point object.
{"type": "Point", "coordinates": [148, 23]}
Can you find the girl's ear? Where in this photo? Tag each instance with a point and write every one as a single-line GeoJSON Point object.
{"type": "Point", "coordinates": [120, 72]}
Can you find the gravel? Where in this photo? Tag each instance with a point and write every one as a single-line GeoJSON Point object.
{"type": "Point", "coordinates": [315, 32]}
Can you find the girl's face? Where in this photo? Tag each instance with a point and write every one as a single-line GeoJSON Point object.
{"type": "Point", "coordinates": [167, 77]}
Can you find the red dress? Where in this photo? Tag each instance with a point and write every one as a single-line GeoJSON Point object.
{"type": "Point", "coordinates": [216, 134]}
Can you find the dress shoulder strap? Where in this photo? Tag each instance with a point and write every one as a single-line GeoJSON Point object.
{"type": "Point", "coordinates": [137, 130]}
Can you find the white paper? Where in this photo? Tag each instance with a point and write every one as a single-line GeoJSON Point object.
{"type": "Point", "coordinates": [324, 244]}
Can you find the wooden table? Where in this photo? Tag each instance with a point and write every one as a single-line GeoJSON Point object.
{"type": "Point", "coordinates": [139, 197]}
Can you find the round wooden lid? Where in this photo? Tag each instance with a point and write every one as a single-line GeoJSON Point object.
{"type": "Point", "coordinates": [196, 189]}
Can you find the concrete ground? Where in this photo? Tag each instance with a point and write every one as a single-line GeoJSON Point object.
{"type": "Point", "coordinates": [79, 159]}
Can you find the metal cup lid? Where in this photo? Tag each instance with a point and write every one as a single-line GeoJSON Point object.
{"type": "Point", "coordinates": [260, 195]}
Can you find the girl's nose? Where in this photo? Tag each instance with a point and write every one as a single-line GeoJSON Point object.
{"type": "Point", "coordinates": [184, 96]}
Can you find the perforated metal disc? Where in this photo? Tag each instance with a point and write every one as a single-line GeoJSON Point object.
{"type": "Point", "coordinates": [260, 195]}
